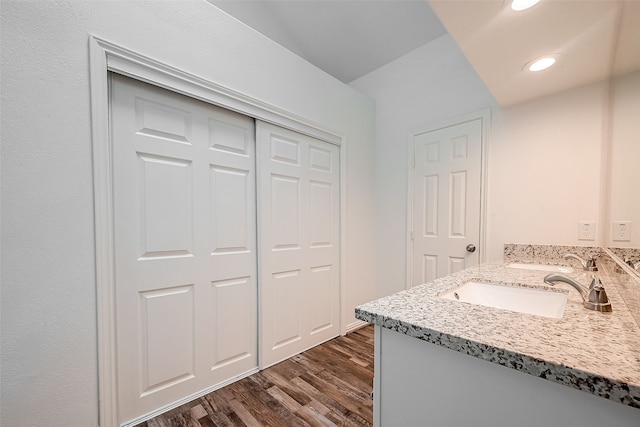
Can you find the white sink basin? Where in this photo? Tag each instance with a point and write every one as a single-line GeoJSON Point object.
{"type": "Point", "coordinates": [527, 300]}
{"type": "Point", "coordinates": [540, 267]}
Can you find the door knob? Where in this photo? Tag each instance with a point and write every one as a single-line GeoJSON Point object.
{"type": "Point", "coordinates": [471, 247]}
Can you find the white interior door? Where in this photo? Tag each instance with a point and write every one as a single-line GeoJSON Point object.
{"type": "Point", "coordinates": [185, 246]}
{"type": "Point", "coordinates": [446, 200]}
{"type": "Point", "coordinates": [299, 224]}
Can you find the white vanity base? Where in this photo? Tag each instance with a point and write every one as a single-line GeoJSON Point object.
{"type": "Point", "coordinates": [422, 384]}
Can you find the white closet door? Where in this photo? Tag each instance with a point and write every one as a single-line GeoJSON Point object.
{"type": "Point", "coordinates": [299, 197]}
{"type": "Point", "coordinates": [185, 245]}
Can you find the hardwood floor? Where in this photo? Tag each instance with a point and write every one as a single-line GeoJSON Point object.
{"type": "Point", "coordinates": [329, 385]}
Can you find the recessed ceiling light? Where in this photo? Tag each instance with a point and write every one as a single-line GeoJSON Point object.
{"type": "Point", "coordinates": [519, 5]}
{"type": "Point", "coordinates": [542, 63]}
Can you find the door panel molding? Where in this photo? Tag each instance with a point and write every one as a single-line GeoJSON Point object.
{"type": "Point", "coordinates": [181, 307]}
{"type": "Point", "coordinates": [105, 57]}
{"type": "Point", "coordinates": [484, 116]}
{"type": "Point", "coordinates": [299, 229]}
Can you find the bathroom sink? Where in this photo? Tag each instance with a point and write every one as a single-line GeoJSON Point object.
{"type": "Point", "coordinates": [540, 302]}
{"type": "Point", "coordinates": [540, 267]}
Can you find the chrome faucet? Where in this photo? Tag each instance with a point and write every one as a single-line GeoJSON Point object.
{"type": "Point", "coordinates": [588, 264]}
{"type": "Point", "coordinates": [634, 265]}
{"type": "Point", "coordinates": [593, 298]}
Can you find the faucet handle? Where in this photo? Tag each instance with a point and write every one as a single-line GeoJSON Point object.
{"type": "Point", "coordinates": [598, 299]}
{"type": "Point", "coordinates": [598, 295]}
{"type": "Point", "coordinates": [591, 263]}
{"type": "Point", "coordinates": [595, 282]}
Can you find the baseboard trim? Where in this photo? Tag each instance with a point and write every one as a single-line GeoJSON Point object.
{"type": "Point", "coordinates": [355, 326]}
{"type": "Point", "coordinates": [188, 399]}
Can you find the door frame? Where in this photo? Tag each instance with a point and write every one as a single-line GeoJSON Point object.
{"type": "Point", "coordinates": [484, 116]}
{"type": "Point", "coordinates": [105, 57]}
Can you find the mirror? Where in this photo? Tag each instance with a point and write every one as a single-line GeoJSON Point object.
{"type": "Point", "coordinates": [624, 146]}
{"type": "Point", "coordinates": [599, 43]}
{"type": "Point", "coordinates": [624, 171]}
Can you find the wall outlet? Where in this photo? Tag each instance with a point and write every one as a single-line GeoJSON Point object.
{"type": "Point", "coordinates": [622, 231]}
{"type": "Point", "coordinates": [586, 230]}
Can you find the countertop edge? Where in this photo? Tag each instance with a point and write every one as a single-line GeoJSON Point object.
{"type": "Point", "coordinates": [598, 385]}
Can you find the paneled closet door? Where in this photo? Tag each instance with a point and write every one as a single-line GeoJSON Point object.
{"type": "Point", "coordinates": [299, 228]}
{"type": "Point", "coordinates": [185, 246]}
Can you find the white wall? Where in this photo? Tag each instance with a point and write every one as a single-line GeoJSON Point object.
{"type": "Point", "coordinates": [431, 84]}
{"type": "Point", "coordinates": [545, 157]}
{"type": "Point", "coordinates": [624, 197]}
{"type": "Point", "coordinates": [48, 307]}
{"type": "Point", "coordinates": [545, 166]}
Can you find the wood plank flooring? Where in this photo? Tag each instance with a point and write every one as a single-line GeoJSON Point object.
{"type": "Point", "coordinates": [328, 385]}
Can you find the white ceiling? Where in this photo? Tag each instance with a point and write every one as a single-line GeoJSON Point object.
{"type": "Point", "coordinates": [350, 38]}
{"type": "Point", "coordinates": [596, 39]}
{"type": "Point", "coordinates": [345, 38]}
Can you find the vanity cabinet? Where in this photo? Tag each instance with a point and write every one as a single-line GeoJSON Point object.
{"type": "Point", "coordinates": [447, 362]}
{"type": "Point", "coordinates": [418, 383]}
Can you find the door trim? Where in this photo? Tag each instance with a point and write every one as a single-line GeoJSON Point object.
{"type": "Point", "coordinates": [485, 117]}
{"type": "Point", "coordinates": [105, 57]}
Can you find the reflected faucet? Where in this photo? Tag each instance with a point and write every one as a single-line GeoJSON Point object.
{"type": "Point", "coordinates": [588, 264]}
{"type": "Point", "coordinates": [634, 265]}
{"type": "Point", "coordinates": [594, 297]}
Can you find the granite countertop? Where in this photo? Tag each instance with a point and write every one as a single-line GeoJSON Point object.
{"type": "Point", "coordinates": [588, 350]}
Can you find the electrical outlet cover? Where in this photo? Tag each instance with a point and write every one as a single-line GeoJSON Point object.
{"type": "Point", "coordinates": [622, 231]}
{"type": "Point", "coordinates": [586, 230]}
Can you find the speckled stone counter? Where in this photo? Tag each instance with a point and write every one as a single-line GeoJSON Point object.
{"type": "Point", "coordinates": [591, 351]}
